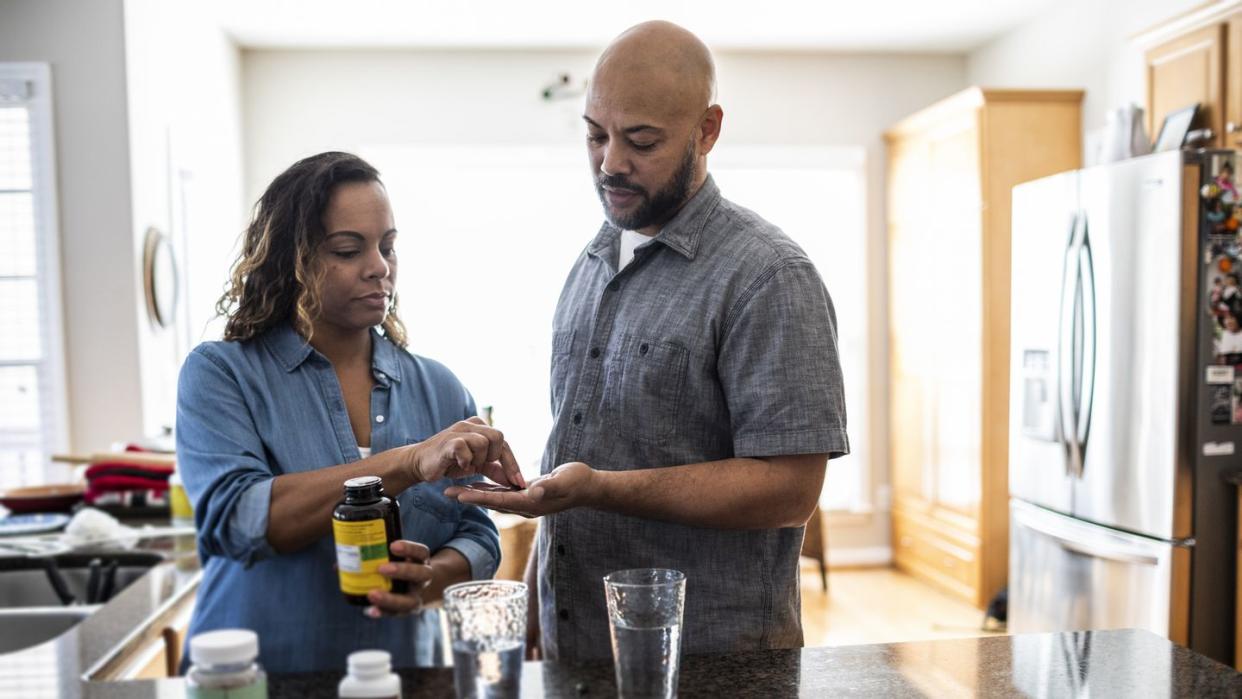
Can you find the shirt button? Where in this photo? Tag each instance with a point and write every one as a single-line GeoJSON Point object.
{"type": "Point", "coordinates": [379, 418]}
{"type": "Point", "coordinates": [564, 615]}
{"type": "Point", "coordinates": [560, 549]}
{"type": "Point", "coordinates": [577, 418]}
{"type": "Point", "coordinates": [642, 349]}
{"type": "Point", "coordinates": [594, 353]}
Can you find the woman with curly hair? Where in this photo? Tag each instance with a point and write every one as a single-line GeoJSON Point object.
{"type": "Point", "coordinates": [311, 386]}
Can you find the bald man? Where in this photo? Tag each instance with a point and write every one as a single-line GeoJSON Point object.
{"type": "Point", "coordinates": [696, 390]}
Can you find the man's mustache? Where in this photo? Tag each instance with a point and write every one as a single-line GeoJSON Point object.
{"type": "Point", "coordinates": [618, 182]}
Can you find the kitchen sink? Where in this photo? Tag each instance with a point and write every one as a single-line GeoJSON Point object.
{"type": "Point", "coordinates": [25, 627]}
{"type": "Point", "coordinates": [69, 578]}
{"type": "Point", "coordinates": [43, 597]}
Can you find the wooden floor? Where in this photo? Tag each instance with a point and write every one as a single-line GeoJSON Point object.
{"type": "Point", "coordinates": [880, 605]}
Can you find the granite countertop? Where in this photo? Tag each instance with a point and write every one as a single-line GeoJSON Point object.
{"type": "Point", "coordinates": [1101, 663]}
{"type": "Point", "coordinates": [1126, 663]}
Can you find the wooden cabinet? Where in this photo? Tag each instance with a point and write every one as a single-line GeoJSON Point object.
{"type": "Point", "coordinates": [1198, 59]}
{"type": "Point", "coordinates": [1184, 71]}
{"type": "Point", "coordinates": [951, 169]}
{"type": "Point", "coordinates": [1232, 81]}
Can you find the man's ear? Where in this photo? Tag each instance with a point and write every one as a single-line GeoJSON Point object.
{"type": "Point", "coordinates": [709, 128]}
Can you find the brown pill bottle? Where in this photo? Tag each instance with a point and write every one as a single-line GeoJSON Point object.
{"type": "Point", "coordinates": [364, 524]}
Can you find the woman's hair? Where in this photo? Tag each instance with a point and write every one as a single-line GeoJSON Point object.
{"type": "Point", "coordinates": [276, 277]}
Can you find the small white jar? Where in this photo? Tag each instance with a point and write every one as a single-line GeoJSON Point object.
{"type": "Point", "coordinates": [224, 666]}
{"type": "Point", "coordinates": [370, 677]}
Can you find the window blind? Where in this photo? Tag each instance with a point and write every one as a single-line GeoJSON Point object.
{"type": "Point", "coordinates": [31, 393]}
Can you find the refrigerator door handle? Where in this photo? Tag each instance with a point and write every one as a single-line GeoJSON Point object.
{"type": "Point", "coordinates": [1103, 549]}
{"type": "Point", "coordinates": [1087, 348]}
{"type": "Point", "coordinates": [1077, 547]}
{"type": "Point", "coordinates": [1067, 419]}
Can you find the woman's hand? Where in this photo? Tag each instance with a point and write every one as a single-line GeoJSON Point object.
{"type": "Point", "coordinates": [467, 448]}
{"type": "Point", "coordinates": [413, 565]}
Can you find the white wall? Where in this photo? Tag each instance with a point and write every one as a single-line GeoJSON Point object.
{"type": "Point", "coordinates": [144, 97]}
{"type": "Point", "coordinates": [85, 44]}
{"type": "Point", "coordinates": [185, 151]}
{"type": "Point", "coordinates": [297, 103]}
{"type": "Point", "coordinates": [1078, 45]}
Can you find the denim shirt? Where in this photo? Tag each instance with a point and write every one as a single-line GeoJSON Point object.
{"type": "Point", "coordinates": [250, 411]}
{"type": "Point", "coordinates": [717, 340]}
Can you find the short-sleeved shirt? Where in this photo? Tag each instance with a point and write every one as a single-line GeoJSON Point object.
{"type": "Point", "coordinates": [250, 411]}
{"type": "Point", "coordinates": [717, 341]}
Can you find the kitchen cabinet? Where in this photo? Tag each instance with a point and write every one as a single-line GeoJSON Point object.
{"type": "Point", "coordinates": [950, 171]}
{"type": "Point", "coordinates": [1198, 61]}
{"type": "Point", "coordinates": [1185, 70]}
{"type": "Point", "coordinates": [1232, 81]}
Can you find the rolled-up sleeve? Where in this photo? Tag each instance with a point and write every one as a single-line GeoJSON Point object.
{"type": "Point", "coordinates": [220, 457]}
{"type": "Point", "coordinates": [478, 540]}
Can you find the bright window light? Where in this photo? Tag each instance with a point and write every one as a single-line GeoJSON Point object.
{"type": "Point", "coordinates": [496, 229]}
{"type": "Point", "coordinates": [33, 422]}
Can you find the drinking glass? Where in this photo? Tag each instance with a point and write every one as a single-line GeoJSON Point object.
{"type": "Point", "coordinates": [487, 629]}
{"type": "Point", "coordinates": [644, 616]}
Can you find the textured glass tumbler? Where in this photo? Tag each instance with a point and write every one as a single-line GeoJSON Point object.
{"type": "Point", "coordinates": [644, 616]}
{"type": "Point", "coordinates": [487, 627]}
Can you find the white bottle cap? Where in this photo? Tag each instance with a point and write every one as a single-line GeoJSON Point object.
{"type": "Point", "coordinates": [224, 647]}
{"type": "Point", "coordinates": [369, 663]}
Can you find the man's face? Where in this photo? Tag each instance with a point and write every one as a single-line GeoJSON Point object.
{"type": "Point", "coordinates": [631, 206]}
{"type": "Point", "coordinates": [643, 162]}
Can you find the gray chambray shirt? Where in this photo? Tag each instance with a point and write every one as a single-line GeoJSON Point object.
{"type": "Point", "coordinates": [718, 340]}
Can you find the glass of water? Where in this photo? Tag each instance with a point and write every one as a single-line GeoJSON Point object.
{"type": "Point", "coordinates": [487, 628]}
{"type": "Point", "coordinates": [644, 616]}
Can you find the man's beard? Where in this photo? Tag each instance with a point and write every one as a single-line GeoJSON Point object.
{"type": "Point", "coordinates": [652, 210]}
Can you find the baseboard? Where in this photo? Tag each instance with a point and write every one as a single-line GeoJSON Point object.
{"type": "Point", "coordinates": [867, 557]}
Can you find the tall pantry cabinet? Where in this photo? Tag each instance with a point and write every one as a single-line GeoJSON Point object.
{"type": "Point", "coordinates": [950, 171]}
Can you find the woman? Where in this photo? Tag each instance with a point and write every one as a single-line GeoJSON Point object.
{"type": "Point", "coordinates": [312, 386]}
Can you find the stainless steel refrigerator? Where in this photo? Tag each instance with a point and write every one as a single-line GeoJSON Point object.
{"type": "Point", "coordinates": [1124, 403]}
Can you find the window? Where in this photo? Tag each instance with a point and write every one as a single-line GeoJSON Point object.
{"type": "Point", "coordinates": [817, 195]}
{"type": "Point", "coordinates": [32, 402]}
{"type": "Point", "coordinates": [503, 225]}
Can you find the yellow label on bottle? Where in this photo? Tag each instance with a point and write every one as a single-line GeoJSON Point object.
{"type": "Point", "coordinates": [361, 548]}
{"type": "Point", "coordinates": [180, 504]}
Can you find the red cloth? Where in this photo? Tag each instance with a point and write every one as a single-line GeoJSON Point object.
{"type": "Point", "coordinates": [106, 483]}
{"type": "Point", "coordinates": [156, 471]}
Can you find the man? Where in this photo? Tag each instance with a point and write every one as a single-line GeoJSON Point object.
{"type": "Point", "coordinates": [696, 389]}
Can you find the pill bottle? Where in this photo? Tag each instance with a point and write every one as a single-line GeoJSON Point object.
{"type": "Point", "coordinates": [364, 524]}
{"type": "Point", "coordinates": [370, 677]}
{"type": "Point", "coordinates": [178, 503]}
{"type": "Point", "coordinates": [224, 666]}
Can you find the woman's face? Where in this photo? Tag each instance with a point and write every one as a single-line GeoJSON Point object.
{"type": "Point", "coordinates": [358, 263]}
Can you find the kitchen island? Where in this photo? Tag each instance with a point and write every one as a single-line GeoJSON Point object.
{"type": "Point", "coordinates": [1126, 663]}
{"type": "Point", "coordinates": [1099, 663]}
{"type": "Point", "coordinates": [1123, 663]}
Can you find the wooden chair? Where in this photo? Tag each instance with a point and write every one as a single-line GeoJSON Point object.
{"type": "Point", "coordinates": [815, 544]}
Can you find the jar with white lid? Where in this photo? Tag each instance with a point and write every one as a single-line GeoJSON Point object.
{"type": "Point", "coordinates": [370, 677]}
{"type": "Point", "coordinates": [224, 666]}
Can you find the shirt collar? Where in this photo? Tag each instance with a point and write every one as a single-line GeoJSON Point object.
{"type": "Point", "coordinates": [291, 350]}
{"type": "Point", "coordinates": [682, 233]}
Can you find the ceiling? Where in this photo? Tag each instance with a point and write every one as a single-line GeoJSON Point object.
{"type": "Point", "coordinates": [906, 26]}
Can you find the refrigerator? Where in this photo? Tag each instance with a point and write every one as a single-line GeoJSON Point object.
{"type": "Point", "coordinates": [1124, 400]}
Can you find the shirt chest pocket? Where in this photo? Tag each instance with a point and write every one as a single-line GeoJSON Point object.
{"type": "Point", "coordinates": [643, 385]}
